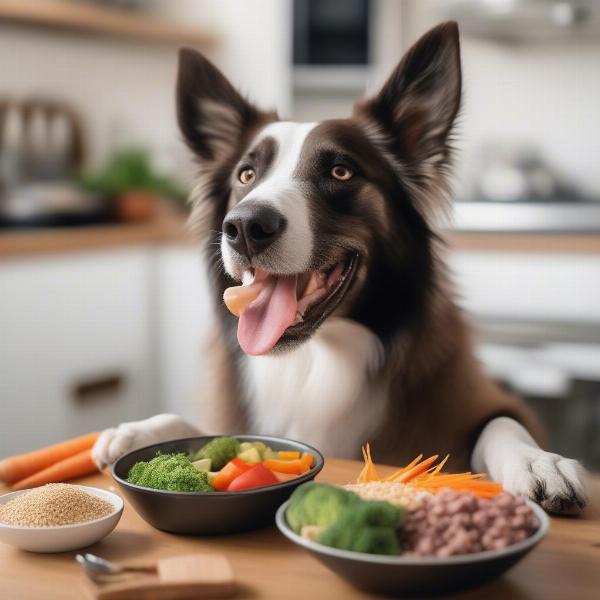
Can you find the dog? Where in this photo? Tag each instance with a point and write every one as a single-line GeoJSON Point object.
{"type": "Point", "coordinates": [353, 334]}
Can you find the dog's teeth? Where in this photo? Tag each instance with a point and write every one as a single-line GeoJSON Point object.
{"type": "Point", "coordinates": [247, 277]}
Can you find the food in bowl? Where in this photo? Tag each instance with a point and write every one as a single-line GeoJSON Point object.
{"type": "Point", "coordinates": [417, 511]}
{"type": "Point", "coordinates": [221, 464]}
{"type": "Point", "coordinates": [218, 512]}
{"type": "Point", "coordinates": [54, 505]}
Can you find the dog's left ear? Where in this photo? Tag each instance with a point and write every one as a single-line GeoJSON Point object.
{"type": "Point", "coordinates": [213, 117]}
{"type": "Point", "coordinates": [416, 108]}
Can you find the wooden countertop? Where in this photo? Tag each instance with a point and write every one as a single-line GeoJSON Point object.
{"type": "Point", "coordinates": [27, 243]}
{"type": "Point", "coordinates": [266, 565]}
{"type": "Point", "coordinates": [44, 241]}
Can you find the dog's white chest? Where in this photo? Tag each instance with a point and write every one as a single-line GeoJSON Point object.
{"type": "Point", "coordinates": [325, 392]}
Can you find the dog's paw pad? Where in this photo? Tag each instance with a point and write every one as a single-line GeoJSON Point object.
{"type": "Point", "coordinates": [554, 482]}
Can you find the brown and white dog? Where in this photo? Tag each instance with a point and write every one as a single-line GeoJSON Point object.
{"type": "Point", "coordinates": [354, 335]}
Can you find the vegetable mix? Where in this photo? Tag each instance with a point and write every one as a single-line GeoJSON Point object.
{"type": "Point", "coordinates": [223, 464]}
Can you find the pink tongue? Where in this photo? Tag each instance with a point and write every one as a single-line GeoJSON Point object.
{"type": "Point", "coordinates": [264, 320]}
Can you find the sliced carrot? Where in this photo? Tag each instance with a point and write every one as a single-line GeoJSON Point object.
{"type": "Point", "coordinates": [21, 466]}
{"type": "Point", "coordinates": [425, 475]}
{"type": "Point", "coordinates": [419, 468]}
{"type": "Point", "coordinates": [74, 466]}
{"type": "Point", "coordinates": [286, 466]}
{"type": "Point", "coordinates": [289, 454]}
{"type": "Point", "coordinates": [409, 466]}
{"type": "Point", "coordinates": [307, 459]}
{"type": "Point", "coordinates": [368, 473]}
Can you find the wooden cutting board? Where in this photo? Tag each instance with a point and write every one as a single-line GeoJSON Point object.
{"type": "Point", "coordinates": [179, 577]}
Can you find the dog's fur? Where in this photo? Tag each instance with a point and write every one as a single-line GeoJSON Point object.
{"type": "Point", "coordinates": [388, 358]}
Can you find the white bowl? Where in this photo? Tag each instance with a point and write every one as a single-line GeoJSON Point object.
{"type": "Point", "coordinates": [62, 537]}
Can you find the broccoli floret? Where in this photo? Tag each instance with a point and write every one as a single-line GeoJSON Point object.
{"type": "Point", "coordinates": [317, 504]}
{"type": "Point", "coordinates": [367, 526]}
{"type": "Point", "coordinates": [220, 451]}
{"type": "Point", "coordinates": [173, 472]}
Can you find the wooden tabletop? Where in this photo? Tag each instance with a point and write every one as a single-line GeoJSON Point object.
{"type": "Point", "coordinates": [266, 565]}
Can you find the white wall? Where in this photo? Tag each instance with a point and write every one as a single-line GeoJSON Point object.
{"type": "Point", "coordinates": [542, 93]}
{"type": "Point", "coordinates": [124, 90]}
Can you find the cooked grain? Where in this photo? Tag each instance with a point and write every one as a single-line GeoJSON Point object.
{"type": "Point", "coordinates": [396, 493]}
{"type": "Point", "coordinates": [52, 505]}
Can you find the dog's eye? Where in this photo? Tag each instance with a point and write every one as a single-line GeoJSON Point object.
{"type": "Point", "coordinates": [341, 173]}
{"type": "Point", "coordinates": [247, 176]}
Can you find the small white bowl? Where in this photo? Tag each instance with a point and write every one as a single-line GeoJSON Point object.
{"type": "Point", "coordinates": [62, 538]}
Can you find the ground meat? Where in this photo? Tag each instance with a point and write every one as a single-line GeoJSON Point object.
{"type": "Point", "coordinates": [450, 523]}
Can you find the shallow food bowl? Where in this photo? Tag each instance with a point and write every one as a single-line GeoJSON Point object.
{"type": "Point", "coordinates": [395, 575]}
{"type": "Point", "coordinates": [211, 513]}
{"type": "Point", "coordinates": [61, 538]}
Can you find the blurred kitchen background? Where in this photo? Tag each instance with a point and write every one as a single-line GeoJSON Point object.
{"type": "Point", "coordinates": [103, 300]}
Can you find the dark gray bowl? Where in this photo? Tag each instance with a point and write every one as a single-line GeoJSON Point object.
{"type": "Point", "coordinates": [398, 576]}
{"type": "Point", "coordinates": [209, 513]}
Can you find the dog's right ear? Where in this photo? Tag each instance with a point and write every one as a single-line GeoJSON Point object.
{"type": "Point", "coordinates": [213, 117]}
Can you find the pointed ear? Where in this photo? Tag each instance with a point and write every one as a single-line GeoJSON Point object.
{"type": "Point", "coordinates": [416, 108]}
{"type": "Point", "coordinates": [213, 117]}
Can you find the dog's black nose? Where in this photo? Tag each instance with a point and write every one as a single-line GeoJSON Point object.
{"type": "Point", "coordinates": [250, 228]}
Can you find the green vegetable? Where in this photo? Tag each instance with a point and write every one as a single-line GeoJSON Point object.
{"type": "Point", "coordinates": [173, 472]}
{"type": "Point", "coordinates": [366, 526]}
{"type": "Point", "coordinates": [250, 455]}
{"type": "Point", "coordinates": [317, 504]}
{"type": "Point", "coordinates": [202, 465]}
{"type": "Point", "coordinates": [220, 451]}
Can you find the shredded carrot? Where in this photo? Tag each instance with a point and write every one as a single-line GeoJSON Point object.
{"type": "Point", "coordinates": [425, 475]}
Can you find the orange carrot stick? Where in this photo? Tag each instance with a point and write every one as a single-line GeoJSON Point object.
{"type": "Point", "coordinates": [409, 466]}
{"type": "Point", "coordinates": [23, 465]}
{"type": "Point", "coordinates": [416, 470]}
{"type": "Point", "coordinates": [74, 466]}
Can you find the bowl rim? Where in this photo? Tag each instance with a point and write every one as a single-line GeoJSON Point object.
{"type": "Point", "coordinates": [309, 475]}
{"type": "Point", "coordinates": [476, 557]}
{"type": "Point", "coordinates": [116, 500]}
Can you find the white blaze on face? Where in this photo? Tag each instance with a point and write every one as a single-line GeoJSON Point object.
{"type": "Point", "coordinates": [292, 252]}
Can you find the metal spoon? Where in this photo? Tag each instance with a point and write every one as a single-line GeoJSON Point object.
{"type": "Point", "coordinates": [94, 565]}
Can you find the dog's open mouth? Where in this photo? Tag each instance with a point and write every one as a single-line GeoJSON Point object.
{"type": "Point", "coordinates": [271, 305]}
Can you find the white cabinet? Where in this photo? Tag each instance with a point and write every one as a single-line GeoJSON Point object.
{"type": "Point", "coordinates": [538, 286]}
{"type": "Point", "coordinates": [77, 341]}
{"type": "Point", "coordinates": [184, 321]}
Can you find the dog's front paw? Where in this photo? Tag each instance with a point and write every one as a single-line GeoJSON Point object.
{"type": "Point", "coordinates": [116, 441]}
{"type": "Point", "coordinates": [554, 482]}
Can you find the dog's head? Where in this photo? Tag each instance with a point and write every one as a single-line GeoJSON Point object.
{"type": "Point", "coordinates": [328, 217]}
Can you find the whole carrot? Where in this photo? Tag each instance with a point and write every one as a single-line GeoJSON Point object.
{"type": "Point", "coordinates": [74, 466]}
{"type": "Point", "coordinates": [21, 466]}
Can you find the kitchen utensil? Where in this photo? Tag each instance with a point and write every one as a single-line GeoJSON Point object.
{"type": "Point", "coordinates": [215, 512]}
{"type": "Point", "coordinates": [182, 577]}
{"type": "Point", "coordinates": [97, 566]}
{"type": "Point", "coordinates": [63, 537]}
{"type": "Point", "coordinates": [413, 576]}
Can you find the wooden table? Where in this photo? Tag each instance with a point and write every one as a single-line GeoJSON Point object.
{"type": "Point", "coordinates": [565, 566]}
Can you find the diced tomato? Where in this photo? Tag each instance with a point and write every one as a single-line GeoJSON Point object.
{"type": "Point", "coordinates": [229, 472]}
{"type": "Point", "coordinates": [257, 476]}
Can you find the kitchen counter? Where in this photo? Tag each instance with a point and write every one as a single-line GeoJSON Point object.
{"type": "Point", "coordinates": [266, 565]}
{"type": "Point", "coordinates": [32, 242]}
{"type": "Point", "coordinates": [27, 243]}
